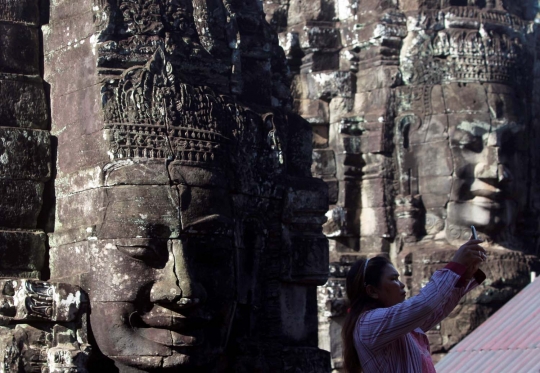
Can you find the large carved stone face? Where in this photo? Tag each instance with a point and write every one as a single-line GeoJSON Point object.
{"type": "Point", "coordinates": [165, 278]}
{"type": "Point", "coordinates": [161, 302]}
{"type": "Point", "coordinates": [490, 169]}
{"type": "Point", "coordinates": [466, 159]}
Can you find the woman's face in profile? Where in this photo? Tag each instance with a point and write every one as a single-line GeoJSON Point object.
{"type": "Point", "coordinates": [391, 290]}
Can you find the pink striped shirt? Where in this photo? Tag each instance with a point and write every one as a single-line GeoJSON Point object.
{"type": "Point", "coordinates": [393, 339]}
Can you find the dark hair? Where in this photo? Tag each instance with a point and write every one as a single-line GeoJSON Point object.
{"type": "Point", "coordinates": [359, 302]}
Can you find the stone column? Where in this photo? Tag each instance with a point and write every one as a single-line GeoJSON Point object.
{"type": "Point", "coordinates": [25, 150]}
{"type": "Point", "coordinates": [40, 322]}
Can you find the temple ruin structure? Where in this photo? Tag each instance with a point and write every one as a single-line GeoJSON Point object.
{"type": "Point", "coordinates": [153, 172]}
{"type": "Point", "coordinates": [177, 175]}
{"type": "Point", "coordinates": [425, 121]}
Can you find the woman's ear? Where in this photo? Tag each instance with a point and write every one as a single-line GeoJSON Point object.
{"type": "Point", "coordinates": [371, 291]}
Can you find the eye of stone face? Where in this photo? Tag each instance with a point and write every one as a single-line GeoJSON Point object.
{"type": "Point", "coordinates": [142, 253]}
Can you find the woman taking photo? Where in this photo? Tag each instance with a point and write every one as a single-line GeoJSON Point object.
{"type": "Point", "coordinates": [385, 333]}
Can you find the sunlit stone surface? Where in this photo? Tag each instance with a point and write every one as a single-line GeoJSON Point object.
{"type": "Point", "coordinates": [424, 123]}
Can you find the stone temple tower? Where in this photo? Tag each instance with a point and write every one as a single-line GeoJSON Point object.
{"type": "Point", "coordinates": [424, 115]}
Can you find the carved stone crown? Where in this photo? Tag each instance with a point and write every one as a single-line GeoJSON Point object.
{"type": "Point", "coordinates": [150, 114]}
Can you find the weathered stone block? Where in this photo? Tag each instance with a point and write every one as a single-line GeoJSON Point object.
{"type": "Point", "coordinates": [465, 98]}
{"type": "Point", "coordinates": [69, 32]}
{"type": "Point", "coordinates": [59, 257]}
{"type": "Point", "coordinates": [435, 129]}
{"type": "Point", "coordinates": [23, 104]}
{"type": "Point", "coordinates": [437, 103]}
{"type": "Point", "coordinates": [503, 102]}
{"type": "Point", "coordinates": [318, 37]}
{"type": "Point", "coordinates": [305, 195]}
{"type": "Point", "coordinates": [350, 194]}
{"type": "Point", "coordinates": [307, 261]}
{"type": "Point", "coordinates": [320, 61]}
{"type": "Point", "coordinates": [295, 300]}
{"type": "Point", "coordinates": [374, 245]}
{"type": "Point", "coordinates": [408, 5]}
{"type": "Point", "coordinates": [314, 111]}
{"type": "Point", "coordinates": [299, 87]}
{"type": "Point", "coordinates": [377, 78]}
{"type": "Point", "coordinates": [317, 10]}
{"type": "Point", "coordinates": [137, 172]}
{"type": "Point", "coordinates": [320, 137]}
{"type": "Point", "coordinates": [377, 166]}
{"type": "Point", "coordinates": [435, 185]}
{"type": "Point", "coordinates": [64, 9]}
{"type": "Point", "coordinates": [324, 163]}
{"type": "Point", "coordinates": [373, 104]}
{"type": "Point", "coordinates": [345, 9]}
{"type": "Point", "coordinates": [20, 203]}
{"type": "Point", "coordinates": [333, 190]}
{"type": "Point", "coordinates": [26, 11]}
{"type": "Point", "coordinates": [92, 149]}
{"type": "Point", "coordinates": [326, 85]}
{"type": "Point", "coordinates": [349, 166]}
{"type": "Point", "coordinates": [374, 221]}
{"type": "Point", "coordinates": [66, 77]}
{"type": "Point", "coordinates": [19, 49]}
{"type": "Point", "coordinates": [122, 211]}
{"type": "Point", "coordinates": [341, 107]}
{"type": "Point", "coordinates": [374, 141]}
{"type": "Point", "coordinates": [374, 192]}
{"type": "Point", "coordinates": [25, 154]}
{"type": "Point", "coordinates": [344, 245]}
{"type": "Point", "coordinates": [432, 159]}
{"type": "Point", "coordinates": [80, 109]}
{"type": "Point", "coordinates": [22, 250]}
{"type": "Point", "coordinates": [346, 144]}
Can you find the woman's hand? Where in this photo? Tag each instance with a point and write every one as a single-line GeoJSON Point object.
{"type": "Point", "coordinates": [471, 270]}
{"type": "Point", "coordinates": [471, 254]}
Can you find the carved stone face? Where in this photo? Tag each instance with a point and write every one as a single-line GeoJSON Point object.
{"type": "Point", "coordinates": [490, 169]}
{"type": "Point", "coordinates": [167, 302]}
{"type": "Point", "coordinates": [467, 159]}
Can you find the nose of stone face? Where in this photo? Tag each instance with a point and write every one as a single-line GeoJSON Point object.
{"type": "Point", "coordinates": [175, 283]}
{"type": "Point", "coordinates": [166, 288]}
{"type": "Point", "coordinates": [486, 171]}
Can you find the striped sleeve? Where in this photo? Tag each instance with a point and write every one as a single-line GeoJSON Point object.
{"type": "Point", "coordinates": [378, 327]}
{"type": "Point", "coordinates": [450, 302]}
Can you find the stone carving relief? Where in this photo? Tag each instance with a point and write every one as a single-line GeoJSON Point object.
{"type": "Point", "coordinates": [189, 215]}
{"type": "Point", "coordinates": [42, 327]}
{"type": "Point", "coordinates": [423, 124]}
